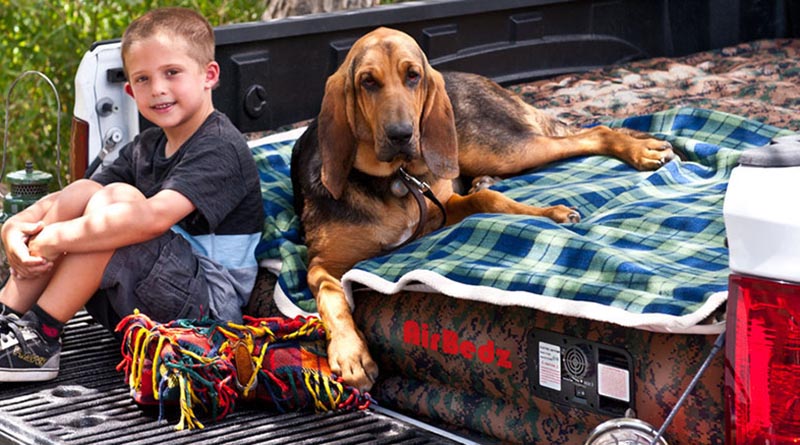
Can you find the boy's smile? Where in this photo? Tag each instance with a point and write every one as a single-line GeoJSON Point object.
{"type": "Point", "coordinates": [171, 89]}
{"type": "Point", "coordinates": [164, 107]}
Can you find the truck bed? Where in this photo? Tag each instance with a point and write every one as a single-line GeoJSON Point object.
{"type": "Point", "coordinates": [89, 403]}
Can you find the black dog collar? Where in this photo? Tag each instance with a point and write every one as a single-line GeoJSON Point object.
{"type": "Point", "coordinates": [420, 190]}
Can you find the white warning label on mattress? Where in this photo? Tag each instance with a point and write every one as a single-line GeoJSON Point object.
{"type": "Point", "coordinates": [549, 366]}
{"type": "Point", "coordinates": [613, 382]}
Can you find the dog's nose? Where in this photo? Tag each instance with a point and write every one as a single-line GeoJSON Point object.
{"type": "Point", "coordinates": [399, 134]}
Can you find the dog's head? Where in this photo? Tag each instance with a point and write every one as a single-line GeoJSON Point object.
{"type": "Point", "coordinates": [385, 107]}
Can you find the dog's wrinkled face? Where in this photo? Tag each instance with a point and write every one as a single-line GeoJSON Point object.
{"type": "Point", "coordinates": [384, 108]}
{"type": "Point", "coordinates": [389, 90]}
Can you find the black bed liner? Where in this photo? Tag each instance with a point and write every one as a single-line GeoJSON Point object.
{"type": "Point", "coordinates": [89, 403]}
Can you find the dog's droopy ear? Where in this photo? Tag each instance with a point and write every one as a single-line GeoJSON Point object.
{"type": "Point", "coordinates": [438, 128]}
{"type": "Point", "coordinates": [335, 133]}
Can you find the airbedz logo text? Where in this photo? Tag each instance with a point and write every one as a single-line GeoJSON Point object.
{"type": "Point", "coordinates": [449, 343]}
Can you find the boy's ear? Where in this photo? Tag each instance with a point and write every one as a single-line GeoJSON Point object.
{"type": "Point", "coordinates": [128, 89]}
{"type": "Point", "coordinates": [212, 74]}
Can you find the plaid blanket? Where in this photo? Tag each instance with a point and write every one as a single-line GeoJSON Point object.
{"type": "Point", "coordinates": [649, 253]}
{"type": "Point", "coordinates": [207, 365]}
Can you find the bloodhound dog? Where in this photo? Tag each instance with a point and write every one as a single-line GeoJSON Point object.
{"type": "Point", "coordinates": [389, 124]}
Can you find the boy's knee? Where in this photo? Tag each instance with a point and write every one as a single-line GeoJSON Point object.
{"type": "Point", "coordinates": [84, 183]}
{"type": "Point", "coordinates": [121, 189]}
{"type": "Point", "coordinates": [73, 199]}
{"type": "Point", "coordinates": [112, 193]}
{"type": "Point", "coordinates": [81, 188]}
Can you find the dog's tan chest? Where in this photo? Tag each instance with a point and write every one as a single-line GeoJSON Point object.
{"type": "Point", "coordinates": [399, 221]}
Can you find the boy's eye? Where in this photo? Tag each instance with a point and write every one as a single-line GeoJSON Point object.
{"type": "Point", "coordinates": [140, 79]}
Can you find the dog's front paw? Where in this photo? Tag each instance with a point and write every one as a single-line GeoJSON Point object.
{"type": "Point", "coordinates": [483, 182]}
{"type": "Point", "coordinates": [349, 358]}
{"type": "Point", "coordinates": [563, 214]}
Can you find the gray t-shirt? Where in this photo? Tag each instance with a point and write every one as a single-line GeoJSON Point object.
{"type": "Point", "coordinates": [216, 171]}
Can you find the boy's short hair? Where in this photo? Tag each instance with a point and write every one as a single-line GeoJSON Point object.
{"type": "Point", "coordinates": [181, 22]}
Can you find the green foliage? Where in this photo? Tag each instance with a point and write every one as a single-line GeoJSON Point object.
{"type": "Point", "coordinates": [51, 36]}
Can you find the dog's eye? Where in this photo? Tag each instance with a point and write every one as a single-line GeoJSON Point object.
{"type": "Point", "coordinates": [369, 83]}
{"type": "Point", "coordinates": [412, 77]}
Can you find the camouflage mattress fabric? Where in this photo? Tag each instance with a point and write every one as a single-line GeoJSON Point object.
{"type": "Point", "coordinates": [649, 253]}
{"type": "Point", "coordinates": [759, 80]}
{"type": "Point", "coordinates": [205, 367]}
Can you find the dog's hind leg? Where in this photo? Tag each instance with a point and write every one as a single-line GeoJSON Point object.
{"type": "Point", "coordinates": [643, 152]}
{"type": "Point", "coordinates": [500, 134]}
{"type": "Point", "coordinates": [640, 150]}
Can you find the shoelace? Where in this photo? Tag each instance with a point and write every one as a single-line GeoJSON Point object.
{"type": "Point", "coordinates": [14, 324]}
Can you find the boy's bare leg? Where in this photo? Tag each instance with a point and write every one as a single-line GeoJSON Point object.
{"type": "Point", "coordinates": [77, 276]}
{"type": "Point", "coordinates": [73, 283]}
{"type": "Point", "coordinates": [21, 294]}
{"type": "Point", "coordinates": [31, 350]}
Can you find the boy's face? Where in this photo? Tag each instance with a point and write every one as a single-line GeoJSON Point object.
{"type": "Point", "coordinates": [171, 89]}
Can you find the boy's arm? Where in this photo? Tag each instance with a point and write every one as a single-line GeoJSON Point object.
{"type": "Point", "coordinates": [114, 226]}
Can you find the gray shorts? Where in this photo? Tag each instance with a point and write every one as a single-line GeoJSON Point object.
{"type": "Point", "coordinates": [162, 278]}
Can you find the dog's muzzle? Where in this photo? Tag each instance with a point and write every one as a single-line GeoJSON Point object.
{"type": "Point", "coordinates": [399, 142]}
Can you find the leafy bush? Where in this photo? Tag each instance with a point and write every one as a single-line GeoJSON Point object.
{"type": "Point", "coordinates": [51, 37]}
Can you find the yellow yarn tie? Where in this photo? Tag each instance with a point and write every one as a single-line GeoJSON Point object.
{"type": "Point", "coordinates": [248, 342]}
{"type": "Point", "coordinates": [334, 396]}
{"type": "Point", "coordinates": [138, 358]}
{"type": "Point", "coordinates": [188, 419]}
{"type": "Point", "coordinates": [154, 372]}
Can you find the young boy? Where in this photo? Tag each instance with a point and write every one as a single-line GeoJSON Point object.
{"type": "Point", "coordinates": [169, 228]}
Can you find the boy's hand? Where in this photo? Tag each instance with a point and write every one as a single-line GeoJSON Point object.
{"type": "Point", "coordinates": [23, 263]}
{"type": "Point", "coordinates": [42, 244]}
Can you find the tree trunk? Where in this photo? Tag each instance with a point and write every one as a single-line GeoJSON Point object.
{"type": "Point", "coordinates": [277, 9]}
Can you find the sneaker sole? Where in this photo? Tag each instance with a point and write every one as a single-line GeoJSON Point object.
{"type": "Point", "coordinates": [47, 372]}
{"type": "Point", "coordinates": [27, 375]}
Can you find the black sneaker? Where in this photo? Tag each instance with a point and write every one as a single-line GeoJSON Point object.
{"type": "Point", "coordinates": [5, 310]}
{"type": "Point", "coordinates": [25, 354]}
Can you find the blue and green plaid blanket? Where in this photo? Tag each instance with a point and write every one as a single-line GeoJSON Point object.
{"type": "Point", "coordinates": [649, 253]}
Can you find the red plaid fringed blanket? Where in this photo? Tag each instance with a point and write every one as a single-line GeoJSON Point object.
{"type": "Point", "coordinates": [278, 362]}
